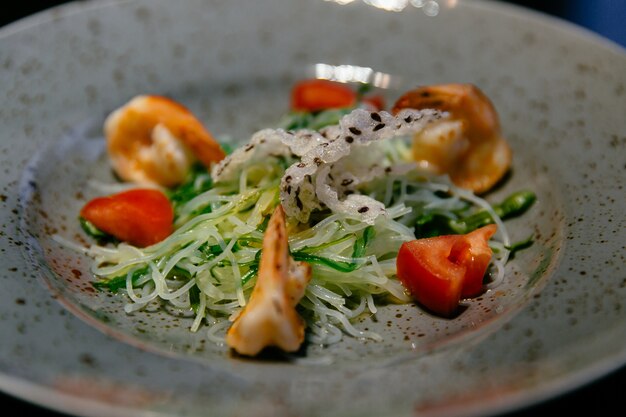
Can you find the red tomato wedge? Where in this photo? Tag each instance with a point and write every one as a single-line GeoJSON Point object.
{"type": "Point", "coordinates": [141, 217]}
{"type": "Point", "coordinates": [315, 95]}
{"type": "Point", "coordinates": [441, 270]}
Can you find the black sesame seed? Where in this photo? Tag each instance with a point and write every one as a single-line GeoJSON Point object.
{"type": "Point", "coordinates": [349, 139]}
{"type": "Point", "coordinates": [248, 147]}
{"type": "Point", "coordinates": [288, 179]}
{"type": "Point", "coordinates": [375, 116]}
{"type": "Point", "coordinates": [363, 209]}
{"type": "Point", "coordinates": [317, 161]}
{"type": "Point", "coordinates": [378, 127]}
{"type": "Point", "coordinates": [301, 165]}
{"type": "Point", "coordinates": [289, 189]}
{"type": "Point", "coordinates": [354, 131]}
{"type": "Point", "coordinates": [388, 170]}
{"type": "Point", "coordinates": [408, 119]}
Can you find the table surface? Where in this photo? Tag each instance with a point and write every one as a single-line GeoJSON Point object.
{"type": "Point", "coordinates": [604, 394]}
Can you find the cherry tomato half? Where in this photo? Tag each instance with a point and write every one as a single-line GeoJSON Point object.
{"type": "Point", "coordinates": [141, 217]}
{"type": "Point", "coordinates": [441, 270]}
{"type": "Point", "coordinates": [315, 95]}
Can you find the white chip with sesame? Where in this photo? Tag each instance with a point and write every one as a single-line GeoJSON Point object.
{"type": "Point", "coordinates": [333, 162]}
{"type": "Point", "coordinates": [328, 174]}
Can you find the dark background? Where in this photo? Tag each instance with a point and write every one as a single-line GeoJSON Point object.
{"type": "Point", "coordinates": [605, 17]}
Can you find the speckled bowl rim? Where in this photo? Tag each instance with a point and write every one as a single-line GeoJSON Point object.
{"type": "Point", "coordinates": [33, 391]}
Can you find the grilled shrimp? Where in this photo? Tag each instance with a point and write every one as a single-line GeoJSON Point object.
{"type": "Point", "coordinates": [270, 317]}
{"type": "Point", "coordinates": [469, 145]}
{"type": "Point", "coordinates": [155, 140]}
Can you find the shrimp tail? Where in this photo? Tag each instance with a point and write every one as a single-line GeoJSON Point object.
{"type": "Point", "coordinates": [270, 317]}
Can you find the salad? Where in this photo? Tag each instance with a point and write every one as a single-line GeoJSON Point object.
{"type": "Point", "coordinates": [339, 209]}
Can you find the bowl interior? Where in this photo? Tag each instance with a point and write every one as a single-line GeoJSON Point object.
{"type": "Point", "coordinates": [73, 168]}
{"type": "Point", "coordinates": [555, 322]}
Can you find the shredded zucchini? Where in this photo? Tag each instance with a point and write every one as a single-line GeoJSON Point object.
{"type": "Point", "coordinates": [209, 264]}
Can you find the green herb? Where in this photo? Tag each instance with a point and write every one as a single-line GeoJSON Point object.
{"type": "Point", "coordinates": [320, 260]}
{"type": "Point", "coordinates": [514, 205]}
{"type": "Point", "coordinates": [310, 249]}
{"type": "Point", "coordinates": [522, 244]}
{"type": "Point", "coordinates": [263, 226]}
{"type": "Point", "coordinates": [247, 242]}
{"type": "Point", "coordinates": [210, 250]}
{"type": "Point", "coordinates": [198, 181]}
{"type": "Point", "coordinates": [254, 269]}
{"type": "Point", "coordinates": [296, 120]}
{"type": "Point", "coordinates": [243, 241]}
{"type": "Point", "coordinates": [313, 121]}
{"type": "Point", "coordinates": [228, 147]}
{"type": "Point", "coordinates": [361, 243]}
{"type": "Point", "coordinates": [179, 274]}
{"type": "Point", "coordinates": [194, 298]}
{"type": "Point", "coordinates": [97, 234]}
{"type": "Point", "coordinates": [363, 89]}
{"type": "Point", "coordinates": [116, 283]}
{"type": "Point", "coordinates": [434, 224]}
{"type": "Point", "coordinates": [358, 251]}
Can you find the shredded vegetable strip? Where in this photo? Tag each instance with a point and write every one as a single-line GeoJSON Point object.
{"type": "Point", "coordinates": [209, 264]}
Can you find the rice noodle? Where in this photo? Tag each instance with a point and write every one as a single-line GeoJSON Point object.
{"type": "Point", "coordinates": [331, 176]}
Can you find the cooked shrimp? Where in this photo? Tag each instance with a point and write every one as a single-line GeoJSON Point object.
{"type": "Point", "coordinates": [270, 317]}
{"type": "Point", "coordinates": [469, 145]}
{"type": "Point", "coordinates": [155, 140]}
